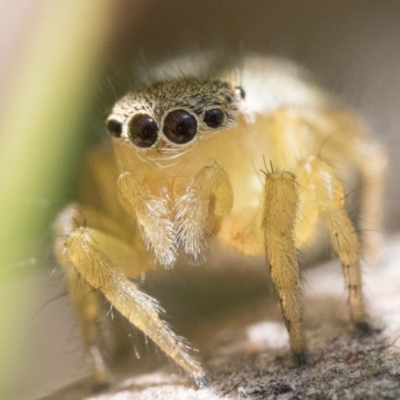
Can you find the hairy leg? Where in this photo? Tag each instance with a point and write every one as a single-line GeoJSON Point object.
{"type": "Point", "coordinates": [329, 197]}
{"type": "Point", "coordinates": [95, 257]}
{"type": "Point", "coordinates": [280, 202]}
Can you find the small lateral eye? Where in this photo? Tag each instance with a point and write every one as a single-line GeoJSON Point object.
{"type": "Point", "coordinates": [114, 128]}
{"type": "Point", "coordinates": [180, 127]}
{"type": "Point", "coordinates": [142, 130]}
{"type": "Point", "coordinates": [239, 91]}
{"type": "Point", "coordinates": [214, 118]}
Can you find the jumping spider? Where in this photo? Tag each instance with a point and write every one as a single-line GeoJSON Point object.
{"type": "Point", "coordinates": [251, 165]}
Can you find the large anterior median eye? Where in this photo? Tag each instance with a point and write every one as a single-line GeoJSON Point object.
{"type": "Point", "coordinates": [142, 130]}
{"type": "Point", "coordinates": [180, 126]}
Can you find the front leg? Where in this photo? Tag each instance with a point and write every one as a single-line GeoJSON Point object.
{"type": "Point", "coordinates": [280, 206]}
{"type": "Point", "coordinates": [207, 199]}
{"type": "Point", "coordinates": [98, 259]}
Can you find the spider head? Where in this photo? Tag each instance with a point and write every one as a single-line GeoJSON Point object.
{"type": "Point", "coordinates": [168, 118]}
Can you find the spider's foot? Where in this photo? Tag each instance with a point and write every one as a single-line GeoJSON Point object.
{"type": "Point", "coordinates": [202, 381]}
{"type": "Point", "coordinates": [100, 387]}
{"type": "Point", "coordinates": [300, 358]}
{"type": "Point", "coordinates": [365, 329]}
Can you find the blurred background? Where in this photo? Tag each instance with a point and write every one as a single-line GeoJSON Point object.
{"type": "Point", "coordinates": [63, 66]}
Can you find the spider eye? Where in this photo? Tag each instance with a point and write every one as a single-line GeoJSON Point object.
{"type": "Point", "coordinates": [214, 118]}
{"type": "Point", "coordinates": [180, 126]}
{"type": "Point", "coordinates": [143, 130]}
{"type": "Point", "coordinates": [240, 92]}
{"type": "Point", "coordinates": [114, 128]}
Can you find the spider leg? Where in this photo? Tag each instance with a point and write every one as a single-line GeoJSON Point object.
{"type": "Point", "coordinates": [371, 218]}
{"type": "Point", "coordinates": [86, 302]}
{"type": "Point", "coordinates": [280, 205]}
{"type": "Point", "coordinates": [329, 198]}
{"type": "Point", "coordinates": [84, 297]}
{"type": "Point", "coordinates": [351, 138]}
{"type": "Point", "coordinates": [341, 136]}
{"type": "Point", "coordinates": [98, 258]}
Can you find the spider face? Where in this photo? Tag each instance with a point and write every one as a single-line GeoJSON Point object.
{"type": "Point", "coordinates": [168, 116]}
{"type": "Point", "coordinates": [188, 167]}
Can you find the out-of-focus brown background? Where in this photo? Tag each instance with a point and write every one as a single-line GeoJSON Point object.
{"type": "Point", "coordinates": [352, 48]}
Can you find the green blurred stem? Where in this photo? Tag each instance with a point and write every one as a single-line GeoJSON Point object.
{"type": "Point", "coordinates": [44, 116]}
